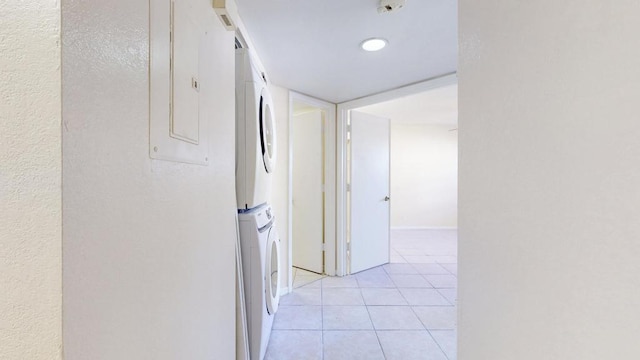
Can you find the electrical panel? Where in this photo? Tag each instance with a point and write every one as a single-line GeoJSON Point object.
{"type": "Point", "coordinates": [177, 41]}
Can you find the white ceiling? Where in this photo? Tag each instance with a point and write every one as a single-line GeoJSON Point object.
{"type": "Point", "coordinates": [435, 107]}
{"type": "Point", "coordinates": [313, 46]}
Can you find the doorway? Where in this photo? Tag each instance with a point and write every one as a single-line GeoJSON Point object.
{"type": "Point", "coordinates": [312, 190]}
{"type": "Point", "coordinates": [308, 199]}
{"type": "Point", "coordinates": [344, 195]}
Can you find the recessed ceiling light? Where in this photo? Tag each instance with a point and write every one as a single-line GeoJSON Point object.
{"type": "Point", "coordinates": [373, 44]}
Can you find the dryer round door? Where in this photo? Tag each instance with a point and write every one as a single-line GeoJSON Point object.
{"type": "Point", "coordinates": [272, 278]}
{"type": "Point", "coordinates": [267, 130]}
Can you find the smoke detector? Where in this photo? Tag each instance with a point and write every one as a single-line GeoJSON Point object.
{"type": "Point", "coordinates": [386, 6]}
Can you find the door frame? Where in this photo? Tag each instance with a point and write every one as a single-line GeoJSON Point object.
{"type": "Point", "coordinates": [329, 181]}
{"type": "Point", "coordinates": [343, 113]}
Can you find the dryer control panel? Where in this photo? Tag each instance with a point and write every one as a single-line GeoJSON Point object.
{"type": "Point", "coordinates": [264, 218]}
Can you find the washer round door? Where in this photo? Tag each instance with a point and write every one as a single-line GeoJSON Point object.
{"type": "Point", "coordinates": [267, 131]}
{"type": "Point", "coordinates": [272, 278]}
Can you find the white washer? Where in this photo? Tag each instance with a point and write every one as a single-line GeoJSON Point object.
{"type": "Point", "coordinates": [255, 134]}
{"type": "Point", "coordinates": [260, 246]}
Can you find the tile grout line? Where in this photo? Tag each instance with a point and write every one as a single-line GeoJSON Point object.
{"type": "Point", "coordinates": [425, 326]}
{"type": "Point", "coordinates": [438, 344]}
{"type": "Point", "coordinates": [438, 291]}
{"type": "Point", "coordinates": [418, 317]}
{"type": "Point", "coordinates": [373, 326]}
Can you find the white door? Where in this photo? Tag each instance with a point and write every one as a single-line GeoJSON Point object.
{"type": "Point", "coordinates": [369, 191]}
{"type": "Point", "coordinates": [308, 204]}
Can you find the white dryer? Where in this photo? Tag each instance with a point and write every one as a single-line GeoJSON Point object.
{"type": "Point", "coordinates": [260, 246]}
{"type": "Point", "coordinates": [255, 134]}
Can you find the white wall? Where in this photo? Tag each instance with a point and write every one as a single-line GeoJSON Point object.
{"type": "Point", "coordinates": [280, 185]}
{"type": "Point", "coordinates": [424, 176]}
{"type": "Point", "coordinates": [549, 180]}
{"type": "Point", "coordinates": [30, 180]}
{"type": "Point", "coordinates": [148, 244]}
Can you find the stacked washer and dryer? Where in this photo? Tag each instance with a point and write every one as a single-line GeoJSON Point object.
{"type": "Point", "coordinates": [259, 240]}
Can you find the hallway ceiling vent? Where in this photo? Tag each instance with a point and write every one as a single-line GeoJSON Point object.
{"type": "Point", "coordinates": [386, 6]}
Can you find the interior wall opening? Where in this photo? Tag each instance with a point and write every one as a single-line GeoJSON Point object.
{"type": "Point", "coordinates": [423, 172]}
{"type": "Point", "coordinates": [312, 190]}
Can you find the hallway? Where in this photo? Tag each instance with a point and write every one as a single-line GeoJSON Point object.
{"type": "Point", "coordinates": [402, 310]}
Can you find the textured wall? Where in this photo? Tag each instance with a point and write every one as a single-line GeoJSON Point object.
{"type": "Point", "coordinates": [30, 175]}
{"type": "Point", "coordinates": [148, 244]}
{"type": "Point", "coordinates": [549, 180]}
{"type": "Point", "coordinates": [424, 176]}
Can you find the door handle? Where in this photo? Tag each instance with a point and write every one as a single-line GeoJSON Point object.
{"type": "Point", "coordinates": [387, 198]}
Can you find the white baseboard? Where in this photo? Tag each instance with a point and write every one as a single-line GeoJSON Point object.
{"type": "Point", "coordinates": [424, 228]}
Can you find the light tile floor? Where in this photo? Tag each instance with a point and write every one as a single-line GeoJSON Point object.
{"type": "Point", "coordinates": [403, 310]}
{"type": "Point", "coordinates": [306, 278]}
